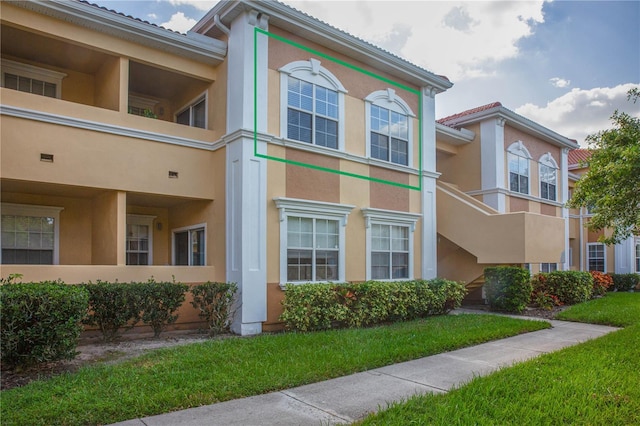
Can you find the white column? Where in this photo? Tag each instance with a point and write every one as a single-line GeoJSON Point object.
{"type": "Point", "coordinates": [246, 174]}
{"type": "Point", "coordinates": [492, 169]}
{"type": "Point", "coordinates": [564, 175]}
{"type": "Point", "coordinates": [625, 252]}
{"type": "Point", "coordinates": [429, 176]}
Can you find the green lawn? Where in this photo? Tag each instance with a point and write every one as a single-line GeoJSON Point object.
{"type": "Point", "coordinates": [205, 373]}
{"type": "Point", "coordinates": [594, 383]}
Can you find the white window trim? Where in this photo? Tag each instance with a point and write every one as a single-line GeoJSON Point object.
{"type": "Point", "coordinates": [190, 104]}
{"type": "Point", "coordinates": [389, 100]}
{"type": "Point", "coordinates": [604, 254]}
{"type": "Point", "coordinates": [33, 72]}
{"type": "Point", "coordinates": [518, 148]}
{"type": "Point", "coordinates": [313, 72]}
{"type": "Point", "coordinates": [140, 219]}
{"type": "Point", "coordinates": [394, 218]}
{"type": "Point", "coordinates": [37, 211]}
{"type": "Point", "coordinates": [183, 229]}
{"type": "Point", "coordinates": [548, 161]}
{"type": "Point", "coordinates": [314, 210]}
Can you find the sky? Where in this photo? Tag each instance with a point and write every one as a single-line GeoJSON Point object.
{"type": "Point", "coordinates": [566, 65]}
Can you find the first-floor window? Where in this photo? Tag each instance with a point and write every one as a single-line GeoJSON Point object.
{"type": "Point", "coordinates": [548, 267]}
{"type": "Point", "coordinates": [389, 252]}
{"type": "Point", "coordinates": [29, 234]}
{"type": "Point", "coordinates": [313, 249]}
{"type": "Point", "coordinates": [596, 257]}
{"type": "Point", "coordinates": [638, 255]}
{"type": "Point", "coordinates": [189, 246]}
{"type": "Point", "coordinates": [139, 239]}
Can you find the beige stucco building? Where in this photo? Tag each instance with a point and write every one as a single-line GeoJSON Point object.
{"type": "Point", "coordinates": [263, 147]}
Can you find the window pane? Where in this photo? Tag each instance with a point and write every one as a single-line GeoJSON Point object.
{"type": "Point", "coordinates": [199, 116]}
{"type": "Point", "coordinates": [400, 265]}
{"type": "Point", "coordinates": [326, 132]}
{"type": "Point", "coordinates": [182, 248]}
{"type": "Point", "coordinates": [299, 265]}
{"type": "Point", "coordinates": [380, 266]}
{"type": "Point", "coordinates": [197, 247]}
{"type": "Point", "coordinates": [400, 238]}
{"type": "Point", "coordinates": [524, 185]}
{"type": "Point", "coordinates": [379, 146]}
{"type": "Point", "coordinates": [11, 82]}
{"type": "Point", "coordinates": [184, 117]}
{"type": "Point", "coordinates": [399, 126]}
{"type": "Point", "coordinates": [399, 153]}
{"type": "Point", "coordinates": [326, 265]}
{"type": "Point", "coordinates": [299, 126]}
{"type": "Point", "coordinates": [380, 237]}
{"type": "Point", "coordinates": [50, 90]}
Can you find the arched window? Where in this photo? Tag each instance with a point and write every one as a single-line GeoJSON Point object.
{"type": "Point", "coordinates": [389, 127]}
{"type": "Point", "coordinates": [548, 177]}
{"type": "Point", "coordinates": [518, 159]}
{"type": "Point", "coordinates": [312, 102]}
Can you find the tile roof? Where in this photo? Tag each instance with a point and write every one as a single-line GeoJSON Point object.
{"type": "Point", "coordinates": [126, 16]}
{"type": "Point", "coordinates": [576, 156]}
{"type": "Point", "coordinates": [453, 117]}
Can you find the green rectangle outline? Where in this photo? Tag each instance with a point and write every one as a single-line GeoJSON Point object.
{"type": "Point", "coordinates": [343, 63]}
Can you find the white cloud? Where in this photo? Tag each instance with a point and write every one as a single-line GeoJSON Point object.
{"type": "Point", "coordinates": [581, 112]}
{"type": "Point", "coordinates": [560, 82]}
{"type": "Point", "coordinates": [179, 22]}
{"type": "Point", "coordinates": [204, 5]}
{"type": "Point", "coordinates": [152, 16]}
{"type": "Point", "coordinates": [461, 39]}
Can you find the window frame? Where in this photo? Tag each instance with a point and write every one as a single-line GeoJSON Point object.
{"type": "Point", "coordinates": [196, 227]}
{"type": "Point", "coordinates": [189, 107]}
{"type": "Point", "coordinates": [34, 73]}
{"type": "Point", "coordinates": [590, 258]}
{"type": "Point", "coordinates": [292, 207]}
{"type": "Point", "coordinates": [29, 210]}
{"type": "Point", "coordinates": [548, 267]}
{"type": "Point", "coordinates": [637, 255]}
{"type": "Point", "coordinates": [547, 161]}
{"type": "Point", "coordinates": [311, 71]}
{"type": "Point", "coordinates": [375, 216]}
{"type": "Point", "coordinates": [517, 149]}
{"type": "Point", "coordinates": [144, 220]}
{"type": "Point", "coordinates": [390, 101]}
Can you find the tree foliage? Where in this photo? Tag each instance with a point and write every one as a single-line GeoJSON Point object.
{"type": "Point", "coordinates": [611, 186]}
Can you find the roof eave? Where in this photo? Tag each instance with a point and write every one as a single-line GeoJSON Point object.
{"type": "Point", "coordinates": [518, 122]}
{"type": "Point", "coordinates": [290, 19]}
{"type": "Point", "coordinates": [105, 21]}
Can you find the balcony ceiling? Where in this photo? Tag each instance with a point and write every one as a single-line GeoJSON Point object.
{"type": "Point", "coordinates": [19, 44]}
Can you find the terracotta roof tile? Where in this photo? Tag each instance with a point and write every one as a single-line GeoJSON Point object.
{"type": "Point", "coordinates": [454, 117]}
{"type": "Point", "coordinates": [576, 156]}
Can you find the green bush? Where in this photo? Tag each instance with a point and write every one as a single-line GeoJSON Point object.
{"type": "Point", "coordinates": [624, 282]}
{"type": "Point", "coordinates": [322, 306]}
{"type": "Point", "coordinates": [569, 287]}
{"type": "Point", "coordinates": [214, 301]}
{"type": "Point", "coordinates": [507, 288]}
{"type": "Point", "coordinates": [113, 306]}
{"type": "Point", "coordinates": [159, 301]}
{"type": "Point", "coordinates": [41, 322]}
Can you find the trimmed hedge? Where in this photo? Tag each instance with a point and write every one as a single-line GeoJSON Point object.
{"type": "Point", "coordinates": [112, 307]}
{"type": "Point", "coordinates": [507, 288]}
{"type": "Point", "coordinates": [625, 282]}
{"type": "Point", "coordinates": [569, 287]}
{"type": "Point", "coordinates": [322, 306]}
{"type": "Point", "coordinates": [41, 322]}
{"type": "Point", "coordinates": [159, 301]}
{"type": "Point", "coordinates": [214, 301]}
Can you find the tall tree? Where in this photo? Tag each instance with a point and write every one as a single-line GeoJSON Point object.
{"type": "Point", "coordinates": [611, 186]}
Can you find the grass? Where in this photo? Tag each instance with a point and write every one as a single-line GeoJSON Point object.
{"type": "Point", "coordinates": [594, 383]}
{"type": "Point", "coordinates": [205, 373]}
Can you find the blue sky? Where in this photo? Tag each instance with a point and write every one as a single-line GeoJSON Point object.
{"type": "Point", "coordinates": [564, 64]}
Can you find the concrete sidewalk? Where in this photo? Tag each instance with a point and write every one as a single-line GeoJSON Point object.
{"type": "Point", "coordinates": [346, 399]}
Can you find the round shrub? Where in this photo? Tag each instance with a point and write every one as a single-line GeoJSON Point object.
{"type": "Point", "coordinates": [41, 322]}
{"type": "Point", "coordinates": [507, 288]}
{"type": "Point", "coordinates": [601, 283]}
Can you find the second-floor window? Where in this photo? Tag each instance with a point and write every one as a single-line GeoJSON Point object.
{"type": "Point", "coordinates": [195, 114]}
{"type": "Point", "coordinates": [548, 178]}
{"type": "Point", "coordinates": [389, 135]}
{"type": "Point", "coordinates": [518, 158]}
{"type": "Point", "coordinates": [31, 79]}
{"type": "Point", "coordinates": [312, 113]}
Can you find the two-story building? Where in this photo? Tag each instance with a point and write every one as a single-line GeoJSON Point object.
{"type": "Point", "coordinates": [263, 147]}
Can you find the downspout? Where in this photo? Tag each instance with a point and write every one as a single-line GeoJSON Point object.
{"type": "Point", "coordinates": [218, 23]}
{"type": "Point", "coordinates": [581, 248]}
